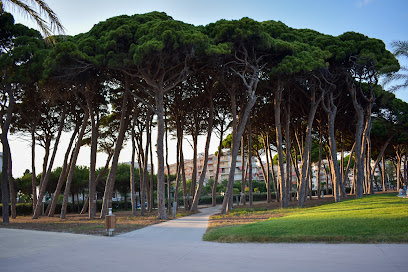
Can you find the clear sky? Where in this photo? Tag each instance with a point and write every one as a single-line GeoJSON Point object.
{"type": "Point", "coordinates": [383, 19]}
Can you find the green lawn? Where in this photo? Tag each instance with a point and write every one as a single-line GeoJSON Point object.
{"type": "Point", "coordinates": [381, 218]}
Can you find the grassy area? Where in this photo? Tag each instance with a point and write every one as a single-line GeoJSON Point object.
{"type": "Point", "coordinates": [77, 223]}
{"type": "Point", "coordinates": [372, 219]}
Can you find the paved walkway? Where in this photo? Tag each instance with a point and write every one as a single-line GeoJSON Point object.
{"type": "Point", "coordinates": [176, 246]}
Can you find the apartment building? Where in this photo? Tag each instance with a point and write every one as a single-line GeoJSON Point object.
{"type": "Point", "coordinates": [224, 167]}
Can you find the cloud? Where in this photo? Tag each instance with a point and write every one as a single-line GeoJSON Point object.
{"type": "Point", "coordinates": [363, 3]}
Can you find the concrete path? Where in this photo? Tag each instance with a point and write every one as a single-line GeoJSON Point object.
{"type": "Point", "coordinates": [176, 246]}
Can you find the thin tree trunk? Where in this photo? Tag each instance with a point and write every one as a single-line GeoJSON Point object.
{"type": "Point", "coordinates": [33, 174]}
{"type": "Point", "coordinates": [281, 176]}
{"type": "Point", "coordinates": [243, 202]}
{"type": "Point", "coordinates": [251, 195]}
{"type": "Point", "coordinates": [110, 180]}
{"type": "Point", "coordinates": [13, 194]}
{"type": "Point", "coordinates": [45, 178]}
{"type": "Point", "coordinates": [319, 165]}
{"type": "Point", "coordinates": [151, 186]}
{"type": "Point", "coordinates": [72, 166]}
{"type": "Point", "coordinates": [268, 175]}
{"type": "Point", "coordinates": [384, 175]}
{"type": "Point", "coordinates": [160, 159]}
{"type": "Point", "coordinates": [97, 180]}
{"type": "Point", "coordinates": [194, 206]}
{"type": "Point", "coordinates": [63, 176]}
{"type": "Point", "coordinates": [92, 166]}
{"type": "Point", "coordinates": [132, 169]}
{"type": "Point", "coordinates": [217, 171]}
{"type": "Point", "coordinates": [168, 169]}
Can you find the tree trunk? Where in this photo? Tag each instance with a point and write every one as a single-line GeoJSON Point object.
{"type": "Point", "coordinates": [358, 143]}
{"type": "Point", "coordinates": [168, 170]}
{"type": "Point", "coordinates": [72, 166]}
{"type": "Point", "coordinates": [110, 180]}
{"type": "Point", "coordinates": [194, 174]}
{"type": "Point", "coordinates": [243, 176]}
{"type": "Point", "coordinates": [288, 155]}
{"type": "Point", "coordinates": [314, 103]}
{"type": "Point", "coordinates": [85, 206]}
{"type": "Point", "coordinates": [237, 132]}
{"type": "Point", "coordinates": [63, 176]}
{"type": "Point", "coordinates": [384, 175]}
{"type": "Point", "coordinates": [160, 158]}
{"type": "Point", "coordinates": [281, 175]}
{"type": "Point", "coordinates": [92, 166]}
{"type": "Point", "coordinates": [151, 185]}
{"type": "Point", "coordinates": [13, 194]}
{"type": "Point", "coordinates": [194, 207]}
{"type": "Point", "coordinates": [183, 176]}
{"type": "Point", "coordinates": [319, 165]}
{"type": "Point", "coordinates": [43, 185]}
{"type": "Point", "coordinates": [268, 175]}
{"type": "Point", "coordinates": [217, 171]}
{"type": "Point", "coordinates": [251, 195]}
{"type": "Point", "coordinates": [33, 174]}
{"type": "Point", "coordinates": [132, 170]}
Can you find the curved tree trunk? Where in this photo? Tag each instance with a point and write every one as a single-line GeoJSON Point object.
{"type": "Point", "coordinates": [110, 180]}
{"type": "Point", "coordinates": [72, 166]}
{"type": "Point", "coordinates": [194, 206]}
{"type": "Point", "coordinates": [358, 142]}
{"type": "Point", "coordinates": [63, 176]}
{"type": "Point", "coordinates": [268, 175]}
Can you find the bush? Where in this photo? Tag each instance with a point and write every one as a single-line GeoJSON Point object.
{"type": "Point", "coordinates": [21, 209]}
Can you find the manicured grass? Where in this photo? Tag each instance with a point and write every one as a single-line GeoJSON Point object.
{"type": "Point", "coordinates": [381, 218]}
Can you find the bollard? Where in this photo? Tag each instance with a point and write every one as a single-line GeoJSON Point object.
{"type": "Point", "coordinates": [110, 222]}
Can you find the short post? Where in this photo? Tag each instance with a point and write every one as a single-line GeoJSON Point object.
{"type": "Point", "coordinates": [110, 222]}
{"type": "Point", "coordinates": [174, 209]}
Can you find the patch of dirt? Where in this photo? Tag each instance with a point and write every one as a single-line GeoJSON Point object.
{"type": "Point", "coordinates": [80, 223]}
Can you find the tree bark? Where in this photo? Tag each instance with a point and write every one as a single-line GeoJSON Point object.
{"type": "Point", "coordinates": [72, 166]}
{"type": "Point", "coordinates": [13, 194]}
{"type": "Point", "coordinates": [281, 175]}
{"type": "Point", "coordinates": [132, 169]}
{"type": "Point", "coordinates": [43, 186]}
{"type": "Point", "coordinates": [110, 180]}
{"type": "Point", "coordinates": [33, 174]}
{"type": "Point", "coordinates": [160, 159]}
{"type": "Point", "coordinates": [92, 165]}
{"type": "Point", "coordinates": [194, 206]}
{"type": "Point", "coordinates": [251, 195]}
{"type": "Point", "coordinates": [217, 171]}
{"type": "Point", "coordinates": [63, 176]}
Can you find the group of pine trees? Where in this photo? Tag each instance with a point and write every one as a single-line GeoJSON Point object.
{"type": "Point", "coordinates": [279, 88]}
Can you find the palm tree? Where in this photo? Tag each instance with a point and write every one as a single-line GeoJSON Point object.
{"type": "Point", "coordinates": [37, 10]}
{"type": "Point", "coordinates": [400, 50]}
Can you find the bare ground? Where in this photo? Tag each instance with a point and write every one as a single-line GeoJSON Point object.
{"type": "Point", "coordinates": [80, 224]}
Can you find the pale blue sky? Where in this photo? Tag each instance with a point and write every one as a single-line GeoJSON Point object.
{"type": "Point", "coordinates": [383, 19]}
